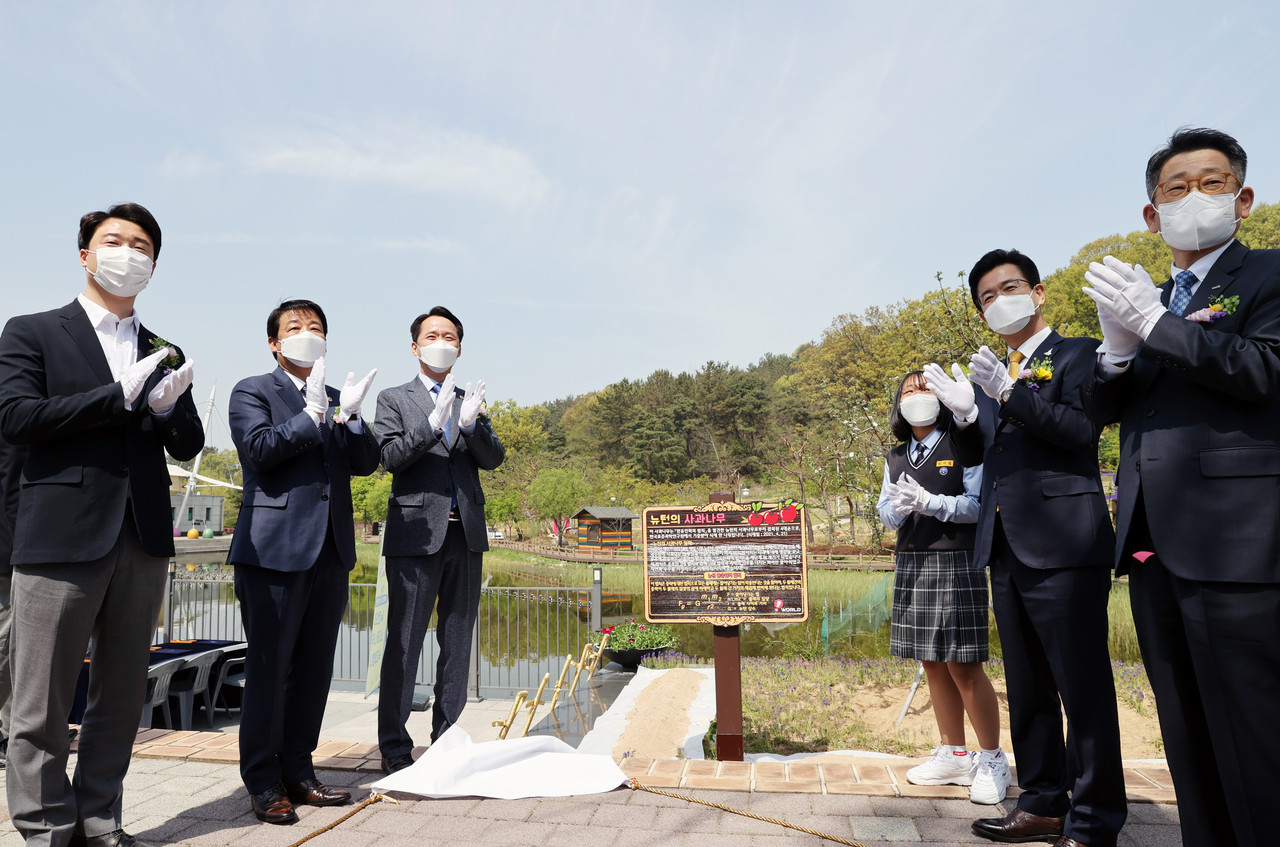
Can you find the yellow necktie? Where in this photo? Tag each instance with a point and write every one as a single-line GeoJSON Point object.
{"type": "Point", "coordinates": [1015, 359]}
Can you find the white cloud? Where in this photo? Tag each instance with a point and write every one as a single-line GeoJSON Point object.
{"type": "Point", "coordinates": [422, 159]}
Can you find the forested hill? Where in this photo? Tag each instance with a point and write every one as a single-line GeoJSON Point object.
{"type": "Point", "coordinates": [816, 418]}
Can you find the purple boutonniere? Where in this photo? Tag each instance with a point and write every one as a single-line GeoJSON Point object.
{"type": "Point", "coordinates": [1219, 307]}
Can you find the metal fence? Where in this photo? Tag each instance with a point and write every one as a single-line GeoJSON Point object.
{"type": "Point", "coordinates": [521, 633]}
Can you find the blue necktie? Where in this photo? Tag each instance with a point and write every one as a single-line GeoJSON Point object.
{"type": "Point", "coordinates": [1182, 292]}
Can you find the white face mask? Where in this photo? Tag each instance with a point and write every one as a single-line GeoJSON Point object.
{"type": "Point", "coordinates": [919, 409]}
{"type": "Point", "coordinates": [1198, 220]}
{"type": "Point", "coordinates": [122, 271]}
{"type": "Point", "coordinates": [303, 348]}
{"type": "Point", "coordinates": [438, 356]}
{"type": "Point", "coordinates": [1009, 313]}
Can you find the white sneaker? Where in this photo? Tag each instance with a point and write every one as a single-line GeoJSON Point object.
{"type": "Point", "coordinates": [992, 779]}
{"type": "Point", "coordinates": [944, 769]}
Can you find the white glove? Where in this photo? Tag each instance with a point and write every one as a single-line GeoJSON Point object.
{"type": "Point", "coordinates": [444, 405]}
{"type": "Point", "coordinates": [956, 394]}
{"type": "Point", "coordinates": [1126, 291]}
{"type": "Point", "coordinates": [166, 393]}
{"type": "Point", "coordinates": [352, 395]}
{"type": "Point", "coordinates": [317, 398]}
{"type": "Point", "coordinates": [911, 496]}
{"type": "Point", "coordinates": [989, 373]}
{"type": "Point", "coordinates": [1119, 342]}
{"type": "Point", "coordinates": [892, 496]}
{"type": "Point", "coordinates": [136, 377]}
{"type": "Point", "coordinates": [472, 402]}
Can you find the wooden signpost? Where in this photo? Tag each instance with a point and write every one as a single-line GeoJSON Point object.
{"type": "Point", "coordinates": [726, 564]}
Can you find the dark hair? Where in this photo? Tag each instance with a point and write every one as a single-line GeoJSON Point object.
{"type": "Point", "coordinates": [1188, 140]}
{"type": "Point", "coordinates": [273, 319]}
{"type": "Point", "coordinates": [436, 312]}
{"type": "Point", "coordinates": [898, 425]}
{"type": "Point", "coordinates": [995, 259]}
{"type": "Point", "coordinates": [131, 212]}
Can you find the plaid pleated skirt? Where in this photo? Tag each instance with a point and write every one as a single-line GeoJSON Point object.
{"type": "Point", "coordinates": [939, 607]}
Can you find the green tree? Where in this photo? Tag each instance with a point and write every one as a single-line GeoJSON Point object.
{"type": "Point", "coordinates": [557, 494]}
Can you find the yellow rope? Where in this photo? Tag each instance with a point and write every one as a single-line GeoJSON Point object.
{"type": "Point", "coordinates": [372, 798]}
{"type": "Point", "coordinates": [636, 786]}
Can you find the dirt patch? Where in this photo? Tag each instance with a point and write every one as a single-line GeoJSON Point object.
{"type": "Point", "coordinates": [659, 719]}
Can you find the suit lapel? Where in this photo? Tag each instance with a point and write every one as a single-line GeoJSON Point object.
{"type": "Point", "coordinates": [1220, 277]}
{"type": "Point", "coordinates": [288, 391]}
{"type": "Point", "coordinates": [76, 323]}
{"type": "Point", "coordinates": [421, 397]}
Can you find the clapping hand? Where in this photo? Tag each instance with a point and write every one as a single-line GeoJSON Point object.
{"type": "Point", "coordinates": [317, 398]}
{"type": "Point", "coordinates": [1132, 302]}
{"type": "Point", "coordinates": [472, 403]}
{"type": "Point", "coordinates": [136, 376]}
{"type": "Point", "coordinates": [989, 373]}
{"type": "Point", "coordinates": [444, 405]}
{"type": "Point", "coordinates": [956, 394]}
{"type": "Point", "coordinates": [353, 394]}
{"type": "Point", "coordinates": [166, 393]}
{"type": "Point", "coordinates": [909, 497]}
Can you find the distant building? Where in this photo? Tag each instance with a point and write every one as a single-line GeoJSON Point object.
{"type": "Point", "coordinates": [604, 528]}
{"type": "Point", "coordinates": [203, 510]}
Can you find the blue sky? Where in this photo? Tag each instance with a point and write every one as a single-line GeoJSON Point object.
{"type": "Point", "coordinates": [597, 189]}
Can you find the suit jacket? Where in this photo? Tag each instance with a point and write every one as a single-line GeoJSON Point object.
{"type": "Point", "coordinates": [12, 457]}
{"type": "Point", "coordinates": [88, 455]}
{"type": "Point", "coordinates": [1039, 454]}
{"type": "Point", "coordinates": [1199, 412]}
{"type": "Point", "coordinates": [297, 476]}
{"type": "Point", "coordinates": [427, 473]}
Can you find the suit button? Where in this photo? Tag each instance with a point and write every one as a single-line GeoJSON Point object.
{"type": "Point", "coordinates": [1150, 412]}
{"type": "Point", "coordinates": [1137, 464]}
{"type": "Point", "coordinates": [993, 485]}
{"type": "Point", "coordinates": [324, 496]}
{"type": "Point", "coordinates": [1000, 449]}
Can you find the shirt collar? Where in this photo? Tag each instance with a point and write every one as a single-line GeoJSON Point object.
{"type": "Point", "coordinates": [928, 441]}
{"type": "Point", "coordinates": [430, 383]}
{"type": "Point", "coordinates": [99, 317]}
{"type": "Point", "coordinates": [1201, 267]}
{"type": "Point", "coordinates": [1029, 346]}
{"type": "Point", "coordinates": [297, 383]}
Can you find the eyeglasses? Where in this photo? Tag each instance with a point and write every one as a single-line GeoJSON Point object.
{"type": "Point", "coordinates": [1175, 189]}
{"type": "Point", "coordinates": [1009, 286]}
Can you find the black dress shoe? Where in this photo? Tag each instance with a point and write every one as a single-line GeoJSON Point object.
{"type": "Point", "coordinates": [119, 838]}
{"type": "Point", "coordinates": [391, 764]}
{"type": "Point", "coordinates": [273, 806]}
{"type": "Point", "coordinates": [313, 792]}
{"type": "Point", "coordinates": [1018, 827]}
{"type": "Point", "coordinates": [1069, 842]}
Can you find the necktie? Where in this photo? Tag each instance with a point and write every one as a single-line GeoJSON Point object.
{"type": "Point", "coordinates": [919, 454]}
{"type": "Point", "coordinates": [1015, 359]}
{"type": "Point", "coordinates": [448, 424]}
{"type": "Point", "coordinates": [1182, 292]}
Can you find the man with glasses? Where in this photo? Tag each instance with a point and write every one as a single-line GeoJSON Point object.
{"type": "Point", "coordinates": [1192, 372]}
{"type": "Point", "coordinates": [1044, 530]}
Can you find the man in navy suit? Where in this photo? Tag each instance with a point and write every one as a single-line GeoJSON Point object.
{"type": "Point", "coordinates": [1192, 372]}
{"type": "Point", "coordinates": [292, 551]}
{"type": "Point", "coordinates": [434, 438]}
{"type": "Point", "coordinates": [1044, 529]}
{"type": "Point", "coordinates": [97, 403]}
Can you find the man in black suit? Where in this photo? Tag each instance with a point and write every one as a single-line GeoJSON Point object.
{"type": "Point", "coordinates": [1044, 529]}
{"type": "Point", "coordinates": [82, 389]}
{"type": "Point", "coordinates": [1192, 372]}
{"type": "Point", "coordinates": [300, 442]}
{"type": "Point", "coordinates": [435, 438]}
{"type": "Point", "coordinates": [11, 458]}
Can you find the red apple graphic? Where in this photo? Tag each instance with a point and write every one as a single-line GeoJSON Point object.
{"type": "Point", "coordinates": [771, 518]}
{"type": "Point", "coordinates": [789, 513]}
{"type": "Point", "coordinates": [755, 519]}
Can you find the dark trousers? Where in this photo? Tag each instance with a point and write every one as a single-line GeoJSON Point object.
{"type": "Point", "coordinates": [1053, 630]}
{"type": "Point", "coordinates": [414, 583]}
{"type": "Point", "coordinates": [291, 622]}
{"type": "Point", "coordinates": [57, 609]}
{"type": "Point", "coordinates": [1212, 652]}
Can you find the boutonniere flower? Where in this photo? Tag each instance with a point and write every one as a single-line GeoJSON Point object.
{"type": "Point", "coordinates": [1037, 373]}
{"type": "Point", "coordinates": [168, 362]}
{"type": "Point", "coordinates": [1219, 307]}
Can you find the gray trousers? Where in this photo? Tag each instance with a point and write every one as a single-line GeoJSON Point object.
{"type": "Point", "coordinates": [6, 677]}
{"type": "Point", "coordinates": [57, 608]}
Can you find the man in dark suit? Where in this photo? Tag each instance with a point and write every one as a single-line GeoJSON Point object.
{"type": "Point", "coordinates": [1192, 372]}
{"type": "Point", "coordinates": [300, 442]}
{"type": "Point", "coordinates": [1044, 529]}
{"type": "Point", "coordinates": [434, 439]}
{"type": "Point", "coordinates": [96, 408]}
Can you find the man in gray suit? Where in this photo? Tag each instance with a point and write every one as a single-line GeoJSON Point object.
{"type": "Point", "coordinates": [434, 439]}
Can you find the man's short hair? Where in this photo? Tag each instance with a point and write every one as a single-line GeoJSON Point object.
{"type": "Point", "coordinates": [436, 312]}
{"type": "Point", "coordinates": [995, 259]}
{"type": "Point", "coordinates": [273, 319]}
{"type": "Point", "coordinates": [131, 212]}
{"type": "Point", "coordinates": [1187, 140]}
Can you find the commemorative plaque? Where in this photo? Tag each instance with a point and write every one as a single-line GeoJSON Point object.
{"type": "Point", "coordinates": [725, 563]}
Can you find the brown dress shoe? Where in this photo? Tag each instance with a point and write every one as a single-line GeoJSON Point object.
{"type": "Point", "coordinates": [272, 806]}
{"type": "Point", "coordinates": [313, 792]}
{"type": "Point", "coordinates": [1069, 842]}
{"type": "Point", "coordinates": [1018, 827]}
{"type": "Point", "coordinates": [119, 838]}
